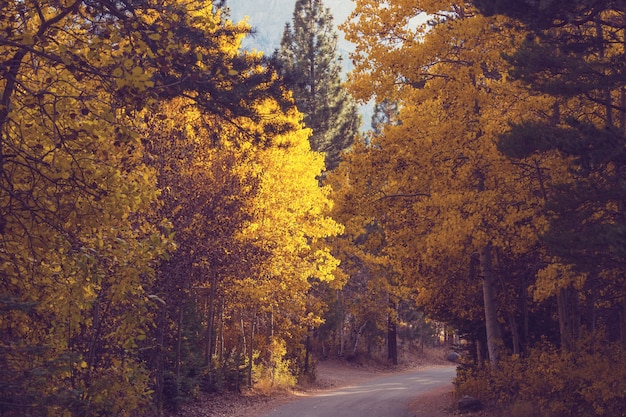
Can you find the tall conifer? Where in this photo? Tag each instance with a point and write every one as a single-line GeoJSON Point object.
{"type": "Point", "coordinates": [311, 67]}
{"type": "Point", "coordinates": [576, 53]}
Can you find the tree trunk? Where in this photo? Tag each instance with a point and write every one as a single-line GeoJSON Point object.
{"type": "Point", "coordinates": [208, 354]}
{"type": "Point", "coordinates": [179, 343]}
{"type": "Point", "coordinates": [561, 302]}
{"type": "Point", "coordinates": [622, 101]}
{"type": "Point", "coordinates": [623, 323]}
{"type": "Point", "coordinates": [251, 349]}
{"type": "Point", "coordinates": [221, 334]}
{"type": "Point", "coordinates": [392, 337]}
{"type": "Point", "coordinates": [357, 338]}
{"type": "Point", "coordinates": [622, 119]}
{"type": "Point", "coordinates": [479, 353]}
{"type": "Point", "coordinates": [526, 333]}
{"type": "Point", "coordinates": [569, 316]}
{"type": "Point", "coordinates": [307, 353]}
{"type": "Point", "coordinates": [159, 361]}
{"type": "Point", "coordinates": [340, 320]}
{"type": "Point", "coordinates": [514, 333]}
{"type": "Point", "coordinates": [494, 335]}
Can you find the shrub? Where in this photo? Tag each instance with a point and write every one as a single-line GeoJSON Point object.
{"type": "Point", "coordinates": [589, 381]}
{"type": "Point", "coordinates": [276, 373]}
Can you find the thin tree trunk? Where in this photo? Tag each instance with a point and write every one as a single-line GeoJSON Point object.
{"type": "Point", "coordinates": [622, 119]}
{"type": "Point", "coordinates": [251, 349]}
{"type": "Point", "coordinates": [623, 323]}
{"type": "Point", "coordinates": [622, 201]}
{"type": "Point", "coordinates": [561, 300]}
{"type": "Point", "coordinates": [392, 341]}
{"type": "Point", "coordinates": [514, 333]}
{"type": "Point", "coordinates": [243, 335]}
{"type": "Point", "coordinates": [158, 362]}
{"type": "Point", "coordinates": [358, 337]}
{"type": "Point", "coordinates": [307, 353]}
{"type": "Point", "coordinates": [208, 354]}
{"type": "Point", "coordinates": [244, 351]}
{"type": "Point", "coordinates": [526, 321]}
{"type": "Point", "coordinates": [479, 353]}
{"type": "Point", "coordinates": [494, 337]}
{"type": "Point", "coordinates": [221, 334]}
{"type": "Point", "coordinates": [179, 343]}
{"type": "Point", "coordinates": [340, 320]}
{"type": "Point", "coordinates": [515, 338]}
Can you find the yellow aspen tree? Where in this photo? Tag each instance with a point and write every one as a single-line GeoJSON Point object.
{"type": "Point", "coordinates": [443, 192]}
{"type": "Point", "coordinates": [251, 221]}
{"type": "Point", "coordinates": [368, 296]}
{"type": "Point", "coordinates": [78, 243]}
{"type": "Point", "coordinates": [203, 189]}
{"type": "Point", "coordinates": [289, 223]}
{"type": "Point", "coordinates": [76, 252]}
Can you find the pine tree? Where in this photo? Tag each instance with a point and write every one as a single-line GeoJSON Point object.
{"type": "Point", "coordinates": [385, 113]}
{"type": "Point", "coordinates": [576, 55]}
{"type": "Point", "coordinates": [311, 69]}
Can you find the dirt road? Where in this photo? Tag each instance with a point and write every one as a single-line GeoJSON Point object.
{"type": "Point", "coordinates": [382, 396]}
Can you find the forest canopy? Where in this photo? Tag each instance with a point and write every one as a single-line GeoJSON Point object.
{"type": "Point", "coordinates": [180, 215]}
{"type": "Point", "coordinates": [498, 184]}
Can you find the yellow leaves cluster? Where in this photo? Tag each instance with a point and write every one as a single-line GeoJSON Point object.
{"type": "Point", "coordinates": [290, 212]}
{"type": "Point", "coordinates": [78, 239]}
{"type": "Point", "coordinates": [554, 277]}
{"type": "Point", "coordinates": [549, 382]}
{"type": "Point", "coordinates": [435, 182]}
{"type": "Point", "coordinates": [247, 207]}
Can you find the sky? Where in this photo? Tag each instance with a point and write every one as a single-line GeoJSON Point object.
{"type": "Point", "coordinates": [268, 18]}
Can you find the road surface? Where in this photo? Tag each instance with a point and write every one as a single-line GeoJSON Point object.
{"type": "Point", "coordinates": [384, 396]}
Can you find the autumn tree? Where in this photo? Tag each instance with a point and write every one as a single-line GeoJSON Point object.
{"type": "Point", "coordinates": [456, 213]}
{"type": "Point", "coordinates": [79, 243]}
{"type": "Point", "coordinates": [311, 67]}
{"type": "Point", "coordinates": [491, 238]}
{"type": "Point", "coordinates": [265, 297]}
{"type": "Point", "coordinates": [576, 54]}
{"type": "Point", "coordinates": [375, 287]}
{"type": "Point", "coordinates": [202, 197]}
{"type": "Point", "coordinates": [251, 220]}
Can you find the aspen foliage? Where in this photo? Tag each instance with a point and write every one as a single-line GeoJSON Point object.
{"type": "Point", "coordinates": [440, 188]}
{"type": "Point", "coordinates": [76, 252]}
{"type": "Point", "coordinates": [504, 165]}
{"type": "Point", "coordinates": [135, 142]}
{"type": "Point", "coordinates": [289, 222]}
{"type": "Point", "coordinates": [251, 222]}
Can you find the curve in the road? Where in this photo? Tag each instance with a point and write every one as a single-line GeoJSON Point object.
{"type": "Point", "coordinates": [386, 396]}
